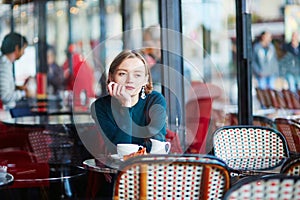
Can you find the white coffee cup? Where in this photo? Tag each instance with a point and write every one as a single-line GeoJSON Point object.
{"type": "Point", "coordinates": [126, 149]}
{"type": "Point", "coordinates": [159, 147]}
{"type": "Point", "coordinates": [3, 170]}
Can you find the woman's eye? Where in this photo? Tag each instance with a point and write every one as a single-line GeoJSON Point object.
{"type": "Point", "coordinates": [122, 74]}
{"type": "Point", "coordinates": [137, 75]}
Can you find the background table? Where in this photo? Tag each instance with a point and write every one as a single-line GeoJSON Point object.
{"type": "Point", "coordinates": [49, 120]}
{"type": "Point", "coordinates": [100, 170]}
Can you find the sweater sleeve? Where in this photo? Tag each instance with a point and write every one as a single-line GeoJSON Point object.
{"type": "Point", "coordinates": [155, 117]}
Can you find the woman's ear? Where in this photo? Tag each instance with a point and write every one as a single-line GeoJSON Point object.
{"type": "Point", "coordinates": [110, 79]}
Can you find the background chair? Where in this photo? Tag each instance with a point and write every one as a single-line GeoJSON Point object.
{"type": "Point", "coordinates": [291, 131]}
{"type": "Point", "coordinates": [198, 114]}
{"type": "Point", "coordinates": [291, 98]}
{"type": "Point", "coordinates": [262, 97]}
{"type": "Point", "coordinates": [12, 141]}
{"type": "Point", "coordinates": [172, 177]}
{"type": "Point", "coordinates": [51, 146]}
{"type": "Point", "coordinates": [266, 187]}
{"type": "Point", "coordinates": [250, 147]}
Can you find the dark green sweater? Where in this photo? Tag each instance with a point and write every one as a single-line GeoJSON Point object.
{"type": "Point", "coordinates": [145, 120]}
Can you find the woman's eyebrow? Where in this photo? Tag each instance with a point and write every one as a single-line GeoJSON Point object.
{"type": "Point", "coordinates": [134, 71]}
{"type": "Point", "coordinates": [141, 71]}
{"type": "Point", "coordinates": [122, 70]}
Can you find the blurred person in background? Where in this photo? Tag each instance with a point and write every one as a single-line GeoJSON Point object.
{"type": "Point", "coordinates": [81, 80]}
{"type": "Point", "coordinates": [55, 76]}
{"type": "Point", "coordinates": [265, 63]}
{"type": "Point", "coordinates": [152, 53]}
{"type": "Point", "coordinates": [12, 48]}
{"type": "Point", "coordinates": [291, 64]}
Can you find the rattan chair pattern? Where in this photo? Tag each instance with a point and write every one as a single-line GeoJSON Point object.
{"type": "Point", "coordinates": [238, 145]}
{"type": "Point", "coordinates": [280, 99]}
{"type": "Point", "coordinates": [172, 177]}
{"type": "Point", "coordinates": [51, 147]}
{"type": "Point", "coordinates": [266, 187]}
{"type": "Point", "coordinates": [291, 167]}
{"type": "Point", "coordinates": [260, 97]}
{"type": "Point", "coordinates": [291, 131]}
{"type": "Point", "coordinates": [263, 97]}
{"type": "Point", "coordinates": [291, 98]}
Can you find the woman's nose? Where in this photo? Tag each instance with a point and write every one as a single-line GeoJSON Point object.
{"type": "Point", "coordinates": [129, 78]}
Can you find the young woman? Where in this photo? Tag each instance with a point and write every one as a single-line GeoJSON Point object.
{"type": "Point", "coordinates": [132, 112]}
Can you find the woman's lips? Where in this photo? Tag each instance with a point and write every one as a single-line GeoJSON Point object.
{"type": "Point", "coordinates": [129, 88]}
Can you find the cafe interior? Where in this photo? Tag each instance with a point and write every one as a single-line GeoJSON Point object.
{"type": "Point", "coordinates": [226, 138]}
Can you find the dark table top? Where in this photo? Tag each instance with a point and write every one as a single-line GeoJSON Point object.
{"type": "Point", "coordinates": [37, 174]}
{"type": "Point", "coordinates": [33, 107]}
{"type": "Point", "coordinates": [52, 119]}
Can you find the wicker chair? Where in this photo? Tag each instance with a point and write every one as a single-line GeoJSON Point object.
{"type": "Point", "coordinates": [291, 98]}
{"type": "Point", "coordinates": [250, 147]}
{"type": "Point", "coordinates": [291, 131]}
{"type": "Point", "coordinates": [172, 177]}
{"type": "Point", "coordinates": [263, 97]}
{"type": "Point", "coordinates": [291, 167]}
{"type": "Point", "coordinates": [266, 187]}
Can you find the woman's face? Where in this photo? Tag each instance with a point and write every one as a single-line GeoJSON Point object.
{"type": "Point", "coordinates": [132, 74]}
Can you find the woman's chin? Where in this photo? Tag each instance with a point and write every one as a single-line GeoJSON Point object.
{"type": "Point", "coordinates": [133, 94]}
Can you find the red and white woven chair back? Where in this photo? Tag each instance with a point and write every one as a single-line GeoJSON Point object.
{"type": "Point", "coordinates": [169, 177]}
{"type": "Point", "coordinates": [246, 142]}
{"type": "Point", "coordinates": [268, 187]}
{"type": "Point", "coordinates": [291, 131]}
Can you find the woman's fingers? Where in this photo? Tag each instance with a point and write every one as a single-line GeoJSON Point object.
{"type": "Point", "coordinates": [119, 92]}
{"type": "Point", "coordinates": [115, 89]}
{"type": "Point", "coordinates": [110, 87]}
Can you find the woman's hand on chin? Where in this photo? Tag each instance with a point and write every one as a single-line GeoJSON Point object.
{"type": "Point", "coordinates": [119, 92]}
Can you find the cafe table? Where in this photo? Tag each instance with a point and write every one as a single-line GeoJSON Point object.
{"type": "Point", "coordinates": [101, 169]}
{"type": "Point", "coordinates": [53, 181]}
{"type": "Point", "coordinates": [46, 106]}
{"type": "Point", "coordinates": [49, 120]}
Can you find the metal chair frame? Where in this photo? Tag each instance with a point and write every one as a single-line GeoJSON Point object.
{"type": "Point", "coordinates": [291, 167]}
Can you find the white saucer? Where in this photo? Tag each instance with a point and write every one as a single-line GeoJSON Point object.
{"type": "Point", "coordinates": [116, 157]}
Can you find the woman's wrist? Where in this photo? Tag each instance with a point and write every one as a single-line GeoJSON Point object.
{"type": "Point", "coordinates": [126, 104]}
